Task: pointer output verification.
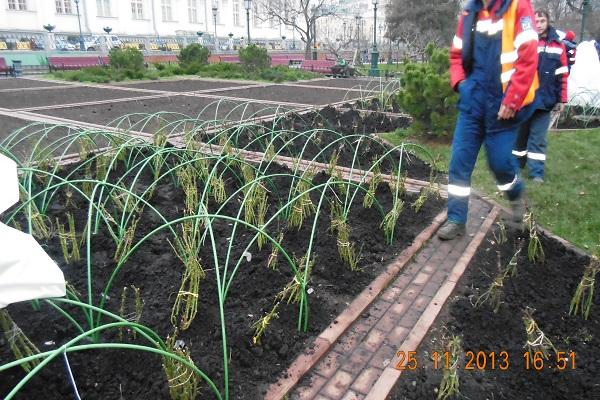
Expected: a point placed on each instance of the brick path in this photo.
(360, 363)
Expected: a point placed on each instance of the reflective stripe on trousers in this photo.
(469, 135)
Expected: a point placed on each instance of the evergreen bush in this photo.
(192, 57)
(427, 96)
(127, 59)
(254, 57)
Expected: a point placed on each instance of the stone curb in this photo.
(324, 342)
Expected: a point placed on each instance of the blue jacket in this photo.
(553, 71)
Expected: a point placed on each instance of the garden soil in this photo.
(156, 271)
(547, 288)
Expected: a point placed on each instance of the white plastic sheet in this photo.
(26, 271)
(584, 79)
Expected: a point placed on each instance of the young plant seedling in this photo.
(339, 224)
(449, 386)
(537, 341)
(69, 239)
(500, 234)
(18, 342)
(273, 257)
(138, 306)
(584, 294)
(292, 292)
(126, 240)
(375, 180)
(186, 303)
(535, 251)
(426, 192)
(260, 326)
(389, 221)
(183, 381)
(303, 206)
(494, 293)
(333, 162)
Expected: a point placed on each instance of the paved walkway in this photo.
(360, 364)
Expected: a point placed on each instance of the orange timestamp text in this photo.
(492, 360)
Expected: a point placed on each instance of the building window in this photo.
(103, 7)
(64, 7)
(20, 5)
(167, 10)
(137, 9)
(236, 12)
(193, 11)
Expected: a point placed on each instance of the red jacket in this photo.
(524, 56)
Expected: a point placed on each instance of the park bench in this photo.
(4, 67)
(70, 63)
(321, 66)
(23, 46)
(231, 59)
(286, 59)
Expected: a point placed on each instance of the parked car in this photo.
(101, 42)
(64, 45)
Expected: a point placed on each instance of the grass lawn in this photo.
(568, 202)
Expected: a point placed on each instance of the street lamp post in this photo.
(81, 43)
(294, 32)
(215, 10)
(248, 5)
(374, 53)
(358, 33)
(344, 35)
(314, 53)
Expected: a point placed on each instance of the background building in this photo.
(136, 17)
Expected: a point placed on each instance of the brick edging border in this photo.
(390, 375)
(322, 343)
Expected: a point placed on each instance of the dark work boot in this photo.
(517, 209)
(450, 230)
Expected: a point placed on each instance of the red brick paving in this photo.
(360, 363)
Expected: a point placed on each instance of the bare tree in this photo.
(567, 14)
(301, 15)
(414, 23)
(336, 46)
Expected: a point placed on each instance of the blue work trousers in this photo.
(470, 133)
(532, 142)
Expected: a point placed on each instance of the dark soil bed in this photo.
(347, 122)
(293, 94)
(357, 84)
(70, 95)
(109, 374)
(548, 288)
(17, 83)
(22, 146)
(183, 85)
(201, 108)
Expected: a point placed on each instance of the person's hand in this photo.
(560, 107)
(506, 112)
